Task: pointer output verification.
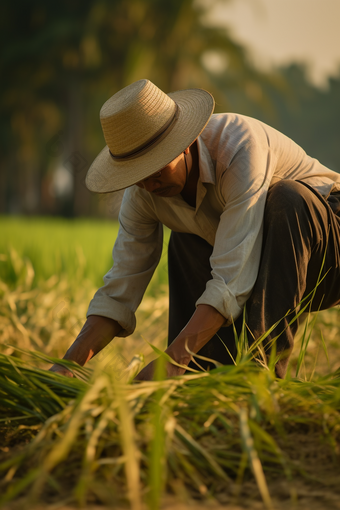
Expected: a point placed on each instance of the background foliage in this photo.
(60, 62)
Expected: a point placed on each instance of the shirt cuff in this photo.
(218, 295)
(105, 306)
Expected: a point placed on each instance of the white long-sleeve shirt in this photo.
(239, 159)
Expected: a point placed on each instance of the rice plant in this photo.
(206, 432)
(223, 435)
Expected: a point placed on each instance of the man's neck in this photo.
(189, 191)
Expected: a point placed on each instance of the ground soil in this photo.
(299, 495)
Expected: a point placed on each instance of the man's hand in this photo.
(148, 372)
(58, 369)
(96, 333)
(204, 323)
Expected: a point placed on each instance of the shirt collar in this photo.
(206, 166)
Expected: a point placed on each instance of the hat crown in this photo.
(134, 116)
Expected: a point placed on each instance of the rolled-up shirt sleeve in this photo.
(236, 255)
(135, 254)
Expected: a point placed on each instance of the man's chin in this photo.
(165, 192)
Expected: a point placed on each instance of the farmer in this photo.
(254, 225)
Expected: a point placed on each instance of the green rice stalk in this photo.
(325, 348)
(157, 465)
(254, 460)
(131, 452)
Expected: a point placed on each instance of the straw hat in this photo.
(145, 129)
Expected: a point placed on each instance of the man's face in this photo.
(169, 181)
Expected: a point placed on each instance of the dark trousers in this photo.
(301, 239)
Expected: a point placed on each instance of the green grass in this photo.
(76, 248)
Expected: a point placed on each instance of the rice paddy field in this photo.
(235, 437)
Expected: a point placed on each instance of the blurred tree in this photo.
(61, 60)
(308, 114)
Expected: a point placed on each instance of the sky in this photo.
(280, 31)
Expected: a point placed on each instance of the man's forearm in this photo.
(203, 325)
(96, 333)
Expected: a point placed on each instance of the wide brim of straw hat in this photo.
(106, 174)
